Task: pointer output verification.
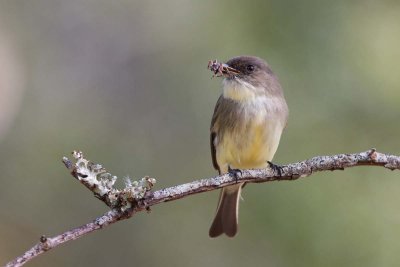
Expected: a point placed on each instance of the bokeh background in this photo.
(126, 82)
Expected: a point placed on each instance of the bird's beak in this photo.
(221, 69)
(229, 71)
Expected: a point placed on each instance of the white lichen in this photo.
(128, 181)
(93, 174)
(97, 179)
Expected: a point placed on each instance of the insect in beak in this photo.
(221, 69)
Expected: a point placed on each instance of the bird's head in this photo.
(246, 77)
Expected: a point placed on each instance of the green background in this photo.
(126, 82)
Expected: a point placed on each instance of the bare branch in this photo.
(47, 243)
(137, 197)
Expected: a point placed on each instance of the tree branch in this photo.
(136, 196)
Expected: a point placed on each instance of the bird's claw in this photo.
(235, 173)
(275, 168)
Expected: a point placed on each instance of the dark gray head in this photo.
(249, 65)
(251, 70)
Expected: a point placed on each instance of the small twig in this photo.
(123, 211)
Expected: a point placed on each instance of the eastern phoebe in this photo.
(248, 121)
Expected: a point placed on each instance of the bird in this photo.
(249, 118)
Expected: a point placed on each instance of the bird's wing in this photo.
(213, 136)
(214, 151)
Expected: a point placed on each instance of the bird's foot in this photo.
(275, 168)
(235, 173)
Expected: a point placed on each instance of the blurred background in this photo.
(126, 82)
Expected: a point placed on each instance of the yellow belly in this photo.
(249, 149)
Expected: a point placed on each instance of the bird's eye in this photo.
(250, 68)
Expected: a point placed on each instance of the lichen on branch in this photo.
(96, 178)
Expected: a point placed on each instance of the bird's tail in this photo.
(226, 219)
